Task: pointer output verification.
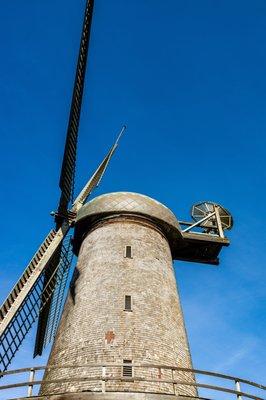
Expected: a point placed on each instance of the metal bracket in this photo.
(217, 227)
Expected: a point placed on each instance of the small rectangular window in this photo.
(128, 252)
(127, 369)
(128, 303)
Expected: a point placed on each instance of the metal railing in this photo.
(104, 377)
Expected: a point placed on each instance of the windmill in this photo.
(39, 292)
(104, 226)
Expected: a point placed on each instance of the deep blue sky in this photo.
(188, 78)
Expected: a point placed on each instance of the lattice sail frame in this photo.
(27, 313)
(59, 291)
(67, 175)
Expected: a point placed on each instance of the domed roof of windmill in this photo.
(130, 203)
(126, 203)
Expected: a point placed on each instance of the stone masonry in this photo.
(123, 252)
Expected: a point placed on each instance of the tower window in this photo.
(127, 369)
(128, 303)
(128, 252)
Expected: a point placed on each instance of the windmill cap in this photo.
(122, 204)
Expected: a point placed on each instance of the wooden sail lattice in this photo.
(67, 176)
(31, 297)
(59, 292)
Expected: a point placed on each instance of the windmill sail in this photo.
(96, 178)
(51, 309)
(58, 296)
(67, 176)
(23, 304)
(69, 159)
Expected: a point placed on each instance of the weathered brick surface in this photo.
(112, 396)
(96, 329)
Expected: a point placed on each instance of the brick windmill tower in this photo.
(123, 314)
(121, 334)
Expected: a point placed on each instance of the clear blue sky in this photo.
(188, 78)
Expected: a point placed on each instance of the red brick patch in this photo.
(109, 337)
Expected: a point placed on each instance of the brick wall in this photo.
(95, 328)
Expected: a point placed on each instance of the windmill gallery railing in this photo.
(252, 390)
